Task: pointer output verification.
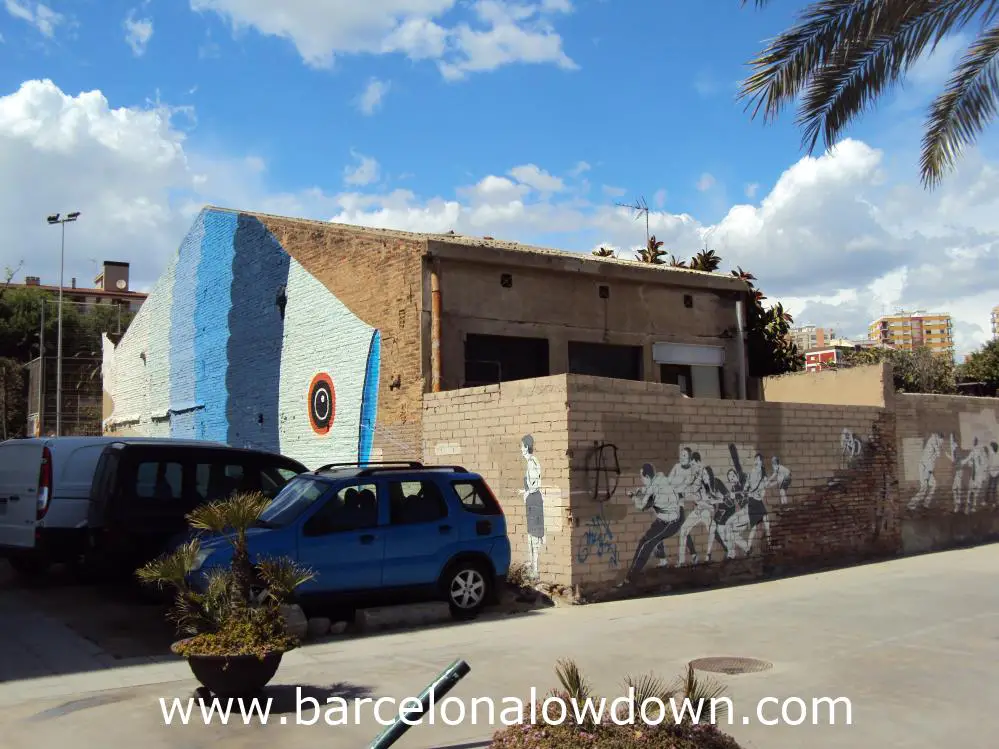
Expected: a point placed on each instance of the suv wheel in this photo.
(467, 589)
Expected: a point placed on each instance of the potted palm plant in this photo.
(232, 615)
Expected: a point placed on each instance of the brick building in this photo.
(320, 340)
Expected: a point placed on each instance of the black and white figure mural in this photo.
(932, 449)
(535, 504)
(691, 500)
(971, 454)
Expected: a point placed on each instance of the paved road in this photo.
(912, 643)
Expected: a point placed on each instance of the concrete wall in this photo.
(288, 336)
(483, 429)
(563, 304)
(948, 468)
(855, 386)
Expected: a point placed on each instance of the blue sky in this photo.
(526, 120)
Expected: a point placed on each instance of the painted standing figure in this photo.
(979, 459)
(756, 490)
(927, 465)
(733, 516)
(703, 513)
(781, 478)
(657, 494)
(535, 503)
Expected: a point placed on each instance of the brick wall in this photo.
(482, 428)
(378, 276)
(840, 503)
(948, 464)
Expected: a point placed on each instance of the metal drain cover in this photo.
(730, 665)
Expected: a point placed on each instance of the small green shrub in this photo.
(605, 734)
(229, 617)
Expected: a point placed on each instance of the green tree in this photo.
(982, 365)
(842, 55)
(705, 260)
(769, 347)
(916, 371)
(603, 252)
(653, 252)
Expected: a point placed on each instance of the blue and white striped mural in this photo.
(239, 343)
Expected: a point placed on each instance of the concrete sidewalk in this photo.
(912, 643)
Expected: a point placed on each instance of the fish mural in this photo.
(239, 343)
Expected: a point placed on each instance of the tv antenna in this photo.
(641, 208)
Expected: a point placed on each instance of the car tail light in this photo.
(44, 483)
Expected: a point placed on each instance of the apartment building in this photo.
(912, 330)
(809, 337)
(111, 286)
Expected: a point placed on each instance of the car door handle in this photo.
(445, 529)
(14, 498)
(367, 538)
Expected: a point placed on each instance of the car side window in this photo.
(159, 481)
(415, 502)
(475, 497)
(351, 508)
(216, 480)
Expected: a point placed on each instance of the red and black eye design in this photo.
(322, 403)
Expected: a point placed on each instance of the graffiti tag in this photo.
(598, 540)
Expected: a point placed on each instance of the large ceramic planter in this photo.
(232, 676)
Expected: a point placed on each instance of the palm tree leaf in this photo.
(834, 38)
(574, 684)
(862, 70)
(962, 111)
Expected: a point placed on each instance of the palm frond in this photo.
(962, 111)
(236, 514)
(171, 569)
(649, 686)
(574, 684)
(847, 52)
(282, 576)
(702, 692)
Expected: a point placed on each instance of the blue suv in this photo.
(383, 533)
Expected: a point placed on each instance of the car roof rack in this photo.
(376, 464)
(367, 469)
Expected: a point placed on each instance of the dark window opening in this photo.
(677, 374)
(495, 358)
(414, 502)
(506, 280)
(604, 292)
(688, 301)
(605, 360)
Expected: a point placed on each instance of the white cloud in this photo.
(580, 168)
(836, 238)
(138, 32)
(533, 176)
(42, 17)
(706, 182)
(503, 33)
(659, 199)
(751, 189)
(373, 95)
(613, 192)
(364, 172)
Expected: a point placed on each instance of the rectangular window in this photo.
(352, 508)
(215, 481)
(412, 502)
(605, 360)
(160, 481)
(677, 374)
(490, 359)
(476, 497)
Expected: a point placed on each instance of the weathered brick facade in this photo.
(837, 493)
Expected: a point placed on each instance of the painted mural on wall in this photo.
(239, 343)
(971, 457)
(534, 502)
(694, 500)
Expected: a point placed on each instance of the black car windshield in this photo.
(294, 499)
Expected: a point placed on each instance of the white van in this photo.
(45, 485)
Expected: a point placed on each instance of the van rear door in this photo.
(20, 469)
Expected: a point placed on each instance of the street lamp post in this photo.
(62, 221)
